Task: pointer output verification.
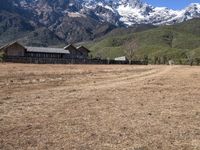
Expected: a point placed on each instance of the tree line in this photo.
(131, 47)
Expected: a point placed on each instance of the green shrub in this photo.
(2, 56)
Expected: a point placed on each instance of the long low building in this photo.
(16, 49)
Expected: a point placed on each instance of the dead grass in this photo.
(99, 107)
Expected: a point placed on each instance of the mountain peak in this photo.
(133, 3)
(128, 12)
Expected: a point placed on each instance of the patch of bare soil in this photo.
(99, 107)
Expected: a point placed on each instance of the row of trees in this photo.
(130, 48)
(181, 61)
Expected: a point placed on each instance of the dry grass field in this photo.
(88, 107)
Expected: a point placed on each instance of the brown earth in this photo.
(87, 107)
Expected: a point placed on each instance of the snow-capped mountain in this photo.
(147, 14)
(132, 12)
(78, 20)
(117, 12)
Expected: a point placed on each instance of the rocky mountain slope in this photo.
(116, 12)
(81, 20)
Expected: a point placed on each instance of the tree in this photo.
(190, 57)
(156, 59)
(164, 59)
(146, 59)
(99, 55)
(2, 56)
(130, 47)
(197, 61)
(90, 56)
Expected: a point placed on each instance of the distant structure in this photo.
(84, 51)
(122, 58)
(13, 49)
(17, 53)
(16, 49)
(73, 51)
(43, 52)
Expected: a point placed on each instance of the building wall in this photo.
(42, 55)
(84, 53)
(46, 55)
(74, 53)
(18, 50)
(15, 50)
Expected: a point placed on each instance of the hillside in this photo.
(13, 26)
(41, 37)
(175, 42)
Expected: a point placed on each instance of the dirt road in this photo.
(87, 107)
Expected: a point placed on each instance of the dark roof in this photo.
(42, 49)
(10, 44)
(82, 47)
(70, 46)
(47, 50)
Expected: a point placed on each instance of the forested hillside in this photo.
(176, 42)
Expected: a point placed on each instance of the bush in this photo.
(2, 56)
(197, 61)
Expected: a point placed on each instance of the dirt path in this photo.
(128, 79)
(99, 107)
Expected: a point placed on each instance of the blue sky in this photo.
(174, 4)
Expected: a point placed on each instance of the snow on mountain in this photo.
(132, 12)
(117, 12)
(135, 12)
(79, 20)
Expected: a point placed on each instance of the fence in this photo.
(34, 60)
(180, 61)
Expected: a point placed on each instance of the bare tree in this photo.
(130, 47)
(99, 55)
